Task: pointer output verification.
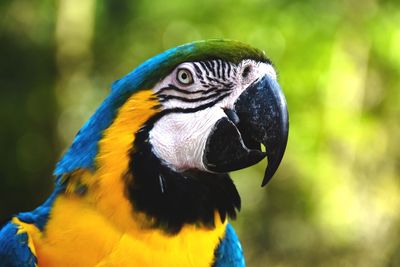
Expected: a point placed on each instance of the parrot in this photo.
(146, 180)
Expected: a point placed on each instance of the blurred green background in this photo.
(335, 200)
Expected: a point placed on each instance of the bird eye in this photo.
(184, 76)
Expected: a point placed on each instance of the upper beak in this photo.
(264, 118)
(260, 116)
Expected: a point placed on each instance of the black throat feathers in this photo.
(172, 199)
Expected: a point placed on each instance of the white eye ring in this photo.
(184, 76)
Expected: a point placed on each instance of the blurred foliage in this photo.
(335, 200)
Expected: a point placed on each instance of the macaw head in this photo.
(172, 129)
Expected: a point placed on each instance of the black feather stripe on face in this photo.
(211, 84)
(172, 199)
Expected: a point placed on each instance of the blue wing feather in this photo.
(229, 252)
(14, 248)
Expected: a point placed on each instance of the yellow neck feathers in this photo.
(98, 227)
(106, 186)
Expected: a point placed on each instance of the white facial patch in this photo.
(180, 138)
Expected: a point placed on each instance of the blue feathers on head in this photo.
(82, 153)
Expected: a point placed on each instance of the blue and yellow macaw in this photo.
(145, 181)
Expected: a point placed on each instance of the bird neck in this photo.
(135, 189)
(105, 187)
(171, 198)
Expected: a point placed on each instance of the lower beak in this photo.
(260, 116)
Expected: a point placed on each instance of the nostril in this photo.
(246, 71)
(231, 114)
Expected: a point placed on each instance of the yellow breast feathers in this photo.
(100, 228)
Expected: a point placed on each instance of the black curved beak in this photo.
(260, 116)
(264, 118)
